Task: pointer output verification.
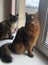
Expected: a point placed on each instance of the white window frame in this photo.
(42, 17)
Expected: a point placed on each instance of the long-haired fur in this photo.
(27, 36)
(6, 29)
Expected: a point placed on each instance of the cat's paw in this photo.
(31, 55)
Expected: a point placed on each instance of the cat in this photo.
(6, 29)
(27, 36)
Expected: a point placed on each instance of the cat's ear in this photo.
(26, 14)
(35, 15)
(17, 14)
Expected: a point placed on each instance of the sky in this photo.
(34, 3)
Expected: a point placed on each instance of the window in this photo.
(33, 3)
(32, 6)
(46, 30)
(43, 17)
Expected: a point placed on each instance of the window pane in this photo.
(46, 32)
(32, 6)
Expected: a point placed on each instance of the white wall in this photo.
(21, 19)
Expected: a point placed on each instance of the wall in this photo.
(5, 6)
(21, 19)
(4, 9)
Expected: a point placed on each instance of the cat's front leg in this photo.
(30, 52)
(30, 49)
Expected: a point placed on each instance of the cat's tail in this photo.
(5, 54)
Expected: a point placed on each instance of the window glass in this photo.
(32, 6)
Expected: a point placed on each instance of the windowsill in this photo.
(43, 48)
(23, 59)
